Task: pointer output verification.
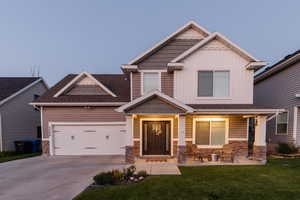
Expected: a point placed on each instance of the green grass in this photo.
(279, 179)
(10, 155)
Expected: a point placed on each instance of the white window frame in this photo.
(287, 125)
(213, 97)
(150, 71)
(211, 119)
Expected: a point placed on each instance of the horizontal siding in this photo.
(279, 91)
(167, 83)
(79, 114)
(136, 85)
(160, 58)
(19, 119)
(298, 127)
(237, 125)
(136, 128)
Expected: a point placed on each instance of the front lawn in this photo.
(278, 180)
(8, 156)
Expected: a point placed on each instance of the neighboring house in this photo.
(279, 85)
(193, 87)
(18, 119)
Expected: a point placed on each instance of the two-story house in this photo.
(193, 89)
(279, 85)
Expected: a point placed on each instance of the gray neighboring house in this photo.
(18, 119)
(279, 85)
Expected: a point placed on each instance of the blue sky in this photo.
(70, 36)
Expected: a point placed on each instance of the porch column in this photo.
(129, 155)
(259, 148)
(181, 153)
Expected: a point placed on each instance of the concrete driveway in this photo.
(52, 178)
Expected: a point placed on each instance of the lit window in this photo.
(210, 132)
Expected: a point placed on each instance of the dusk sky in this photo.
(71, 36)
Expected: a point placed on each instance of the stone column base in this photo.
(129, 154)
(181, 154)
(45, 148)
(260, 153)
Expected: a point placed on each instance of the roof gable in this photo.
(12, 86)
(158, 96)
(84, 79)
(216, 36)
(196, 27)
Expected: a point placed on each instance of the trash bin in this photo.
(214, 157)
(23, 146)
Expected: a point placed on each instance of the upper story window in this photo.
(282, 123)
(151, 81)
(213, 83)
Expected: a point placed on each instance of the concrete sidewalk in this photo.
(158, 168)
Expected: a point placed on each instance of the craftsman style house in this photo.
(192, 91)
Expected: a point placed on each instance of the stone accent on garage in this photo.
(129, 154)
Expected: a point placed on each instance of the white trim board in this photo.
(223, 39)
(155, 119)
(89, 76)
(150, 94)
(295, 124)
(80, 104)
(20, 91)
(211, 119)
(52, 124)
(177, 32)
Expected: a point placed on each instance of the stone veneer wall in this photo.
(129, 154)
(46, 147)
(260, 153)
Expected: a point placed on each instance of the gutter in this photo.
(78, 104)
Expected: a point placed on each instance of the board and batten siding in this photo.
(79, 114)
(279, 90)
(214, 56)
(237, 125)
(19, 119)
(136, 85)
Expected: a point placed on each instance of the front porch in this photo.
(161, 128)
(181, 139)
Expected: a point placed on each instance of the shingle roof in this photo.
(228, 106)
(119, 84)
(275, 68)
(11, 85)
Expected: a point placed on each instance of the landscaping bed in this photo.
(117, 177)
(12, 155)
(279, 179)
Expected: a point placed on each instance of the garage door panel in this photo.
(89, 140)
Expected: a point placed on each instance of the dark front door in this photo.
(156, 138)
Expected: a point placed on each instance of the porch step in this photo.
(155, 159)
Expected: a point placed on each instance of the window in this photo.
(211, 132)
(150, 81)
(282, 123)
(35, 96)
(213, 83)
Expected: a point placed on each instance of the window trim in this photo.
(150, 71)
(287, 124)
(211, 119)
(214, 97)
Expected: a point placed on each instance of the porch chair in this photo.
(195, 153)
(227, 155)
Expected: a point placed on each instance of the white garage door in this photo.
(104, 139)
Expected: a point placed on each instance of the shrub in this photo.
(104, 178)
(142, 173)
(286, 148)
(7, 153)
(129, 172)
